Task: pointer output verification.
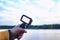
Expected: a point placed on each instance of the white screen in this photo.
(25, 19)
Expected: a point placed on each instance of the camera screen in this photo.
(26, 20)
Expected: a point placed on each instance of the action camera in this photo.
(26, 21)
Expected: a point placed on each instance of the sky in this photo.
(41, 11)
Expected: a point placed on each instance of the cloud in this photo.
(41, 11)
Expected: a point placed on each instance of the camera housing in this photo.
(25, 19)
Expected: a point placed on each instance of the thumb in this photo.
(18, 39)
(23, 31)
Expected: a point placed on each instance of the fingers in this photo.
(20, 36)
(21, 33)
(25, 31)
(22, 30)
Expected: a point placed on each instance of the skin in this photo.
(17, 30)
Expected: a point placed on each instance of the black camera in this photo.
(26, 21)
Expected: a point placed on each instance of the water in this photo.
(41, 34)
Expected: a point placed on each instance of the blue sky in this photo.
(41, 11)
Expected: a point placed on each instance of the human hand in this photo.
(17, 32)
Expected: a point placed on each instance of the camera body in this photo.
(26, 21)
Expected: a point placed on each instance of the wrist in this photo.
(10, 34)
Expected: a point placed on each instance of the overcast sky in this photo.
(41, 11)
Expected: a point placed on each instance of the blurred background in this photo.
(45, 15)
(41, 11)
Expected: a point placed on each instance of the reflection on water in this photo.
(41, 34)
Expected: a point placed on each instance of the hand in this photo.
(17, 31)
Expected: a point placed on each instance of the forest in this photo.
(51, 26)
